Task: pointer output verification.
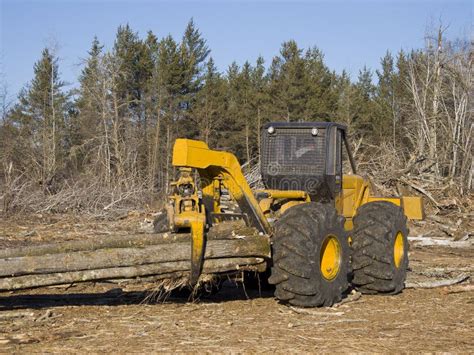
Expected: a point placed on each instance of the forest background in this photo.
(106, 145)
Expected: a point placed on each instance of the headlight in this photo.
(271, 130)
(314, 131)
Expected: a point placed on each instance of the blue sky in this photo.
(351, 33)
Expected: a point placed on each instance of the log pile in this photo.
(118, 257)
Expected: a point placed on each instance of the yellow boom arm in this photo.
(216, 167)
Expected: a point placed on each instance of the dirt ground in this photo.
(122, 317)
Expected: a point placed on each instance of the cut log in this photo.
(224, 231)
(253, 246)
(166, 270)
(115, 241)
(229, 247)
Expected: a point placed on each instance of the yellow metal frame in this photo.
(356, 192)
(221, 169)
(219, 166)
(188, 212)
(289, 198)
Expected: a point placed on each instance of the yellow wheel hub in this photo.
(398, 249)
(330, 258)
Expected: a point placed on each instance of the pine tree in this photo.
(193, 54)
(232, 134)
(288, 88)
(86, 124)
(345, 107)
(41, 115)
(210, 107)
(152, 114)
(401, 91)
(126, 50)
(135, 67)
(144, 72)
(385, 100)
(167, 82)
(364, 93)
(194, 51)
(245, 97)
(260, 100)
(322, 97)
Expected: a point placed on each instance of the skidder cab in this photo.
(303, 156)
(324, 227)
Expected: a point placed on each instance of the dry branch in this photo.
(437, 283)
(419, 189)
(458, 289)
(312, 312)
(427, 241)
(352, 297)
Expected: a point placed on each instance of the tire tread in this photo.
(375, 227)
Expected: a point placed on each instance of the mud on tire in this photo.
(299, 236)
(375, 269)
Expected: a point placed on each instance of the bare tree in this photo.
(440, 81)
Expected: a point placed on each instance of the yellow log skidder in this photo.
(326, 229)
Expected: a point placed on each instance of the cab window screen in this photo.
(294, 152)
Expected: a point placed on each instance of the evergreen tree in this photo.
(245, 99)
(288, 89)
(322, 97)
(194, 51)
(260, 100)
(401, 91)
(210, 107)
(167, 82)
(193, 54)
(86, 124)
(40, 116)
(135, 67)
(127, 52)
(136, 99)
(363, 100)
(233, 135)
(345, 106)
(385, 100)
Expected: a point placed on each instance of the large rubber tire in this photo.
(376, 226)
(296, 250)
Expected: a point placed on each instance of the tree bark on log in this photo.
(115, 241)
(223, 231)
(166, 270)
(256, 246)
(229, 247)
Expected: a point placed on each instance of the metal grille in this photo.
(294, 151)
